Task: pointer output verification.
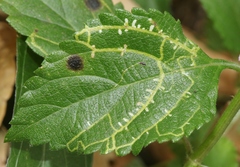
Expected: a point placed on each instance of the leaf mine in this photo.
(143, 81)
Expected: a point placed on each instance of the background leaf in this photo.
(225, 17)
(24, 155)
(226, 153)
(163, 5)
(51, 21)
(141, 81)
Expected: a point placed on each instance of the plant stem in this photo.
(196, 158)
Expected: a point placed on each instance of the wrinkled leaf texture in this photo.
(142, 81)
(39, 19)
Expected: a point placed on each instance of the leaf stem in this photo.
(187, 145)
(230, 65)
(195, 159)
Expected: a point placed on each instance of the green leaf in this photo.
(51, 21)
(119, 6)
(225, 16)
(163, 5)
(141, 80)
(27, 62)
(213, 39)
(225, 152)
(23, 154)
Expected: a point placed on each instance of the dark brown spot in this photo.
(142, 63)
(75, 63)
(111, 162)
(93, 4)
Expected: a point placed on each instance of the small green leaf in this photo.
(51, 21)
(225, 16)
(141, 81)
